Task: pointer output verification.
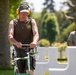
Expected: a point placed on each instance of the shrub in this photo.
(44, 42)
(62, 46)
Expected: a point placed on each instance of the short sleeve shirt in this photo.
(72, 37)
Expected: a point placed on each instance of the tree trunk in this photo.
(4, 44)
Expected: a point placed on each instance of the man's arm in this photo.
(11, 33)
(35, 34)
(35, 31)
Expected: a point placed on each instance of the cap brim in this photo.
(24, 11)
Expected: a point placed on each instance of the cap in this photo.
(24, 8)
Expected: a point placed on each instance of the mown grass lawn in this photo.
(6, 72)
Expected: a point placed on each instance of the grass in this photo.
(6, 72)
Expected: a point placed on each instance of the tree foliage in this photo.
(50, 28)
(66, 32)
(13, 5)
(63, 22)
(49, 5)
(68, 19)
(71, 14)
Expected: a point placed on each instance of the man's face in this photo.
(23, 15)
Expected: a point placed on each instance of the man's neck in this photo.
(23, 19)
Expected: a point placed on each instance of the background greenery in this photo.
(54, 26)
(6, 72)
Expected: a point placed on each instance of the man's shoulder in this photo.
(15, 20)
(32, 20)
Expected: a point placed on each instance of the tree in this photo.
(72, 9)
(50, 28)
(69, 17)
(49, 5)
(5, 6)
(63, 23)
(13, 5)
(66, 32)
(4, 44)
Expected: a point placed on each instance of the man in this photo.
(23, 30)
(72, 38)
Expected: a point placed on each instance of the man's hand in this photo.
(18, 44)
(32, 45)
